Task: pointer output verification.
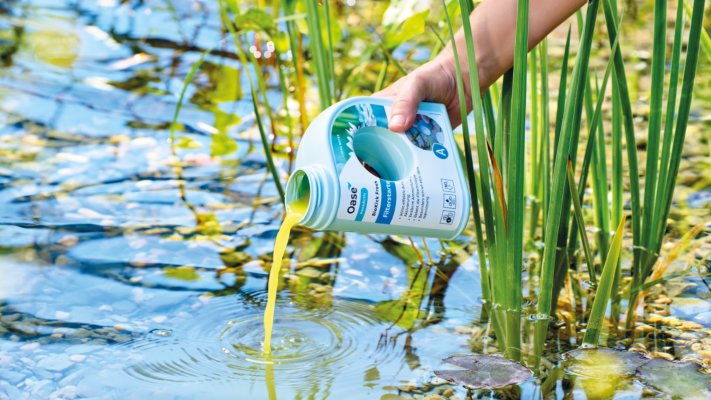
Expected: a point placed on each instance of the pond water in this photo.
(108, 286)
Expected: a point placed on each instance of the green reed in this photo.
(255, 89)
(557, 213)
(662, 170)
(499, 185)
(604, 289)
(501, 181)
(321, 50)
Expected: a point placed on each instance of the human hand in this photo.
(434, 81)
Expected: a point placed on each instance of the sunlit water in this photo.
(108, 289)
(96, 300)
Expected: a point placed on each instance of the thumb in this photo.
(407, 100)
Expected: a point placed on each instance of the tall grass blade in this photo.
(545, 128)
(562, 87)
(705, 39)
(589, 259)
(666, 191)
(515, 181)
(604, 288)
(655, 118)
(320, 54)
(682, 119)
(594, 133)
(671, 102)
(620, 81)
(568, 135)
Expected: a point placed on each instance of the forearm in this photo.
(494, 32)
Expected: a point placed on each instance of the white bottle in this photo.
(353, 174)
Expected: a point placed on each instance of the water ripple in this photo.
(223, 342)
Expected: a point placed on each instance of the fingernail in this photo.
(397, 120)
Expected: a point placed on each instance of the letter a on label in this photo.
(440, 151)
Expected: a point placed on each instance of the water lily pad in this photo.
(602, 372)
(676, 379)
(485, 371)
(583, 361)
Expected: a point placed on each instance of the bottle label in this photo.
(409, 179)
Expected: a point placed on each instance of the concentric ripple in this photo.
(223, 340)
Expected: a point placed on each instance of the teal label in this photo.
(387, 209)
(363, 204)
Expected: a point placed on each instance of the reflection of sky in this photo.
(90, 207)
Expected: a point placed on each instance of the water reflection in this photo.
(129, 273)
(55, 47)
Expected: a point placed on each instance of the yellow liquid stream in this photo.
(294, 213)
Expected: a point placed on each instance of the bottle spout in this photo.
(298, 193)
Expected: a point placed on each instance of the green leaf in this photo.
(281, 41)
(181, 273)
(222, 145)
(208, 224)
(411, 27)
(225, 81)
(224, 121)
(255, 19)
(604, 289)
(581, 224)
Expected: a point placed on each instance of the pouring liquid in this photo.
(294, 213)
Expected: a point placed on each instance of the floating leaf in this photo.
(181, 273)
(485, 371)
(400, 249)
(222, 145)
(208, 224)
(580, 361)
(602, 372)
(58, 48)
(676, 379)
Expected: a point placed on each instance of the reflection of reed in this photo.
(407, 312)
(316, 269)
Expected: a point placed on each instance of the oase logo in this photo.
(353, 200)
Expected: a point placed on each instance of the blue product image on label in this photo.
(440, 151)
(363, 204)
(387, 210)
(425, 132)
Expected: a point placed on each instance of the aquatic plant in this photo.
(552, 181)
(527, 185)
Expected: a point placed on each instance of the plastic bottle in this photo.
(355, 175)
